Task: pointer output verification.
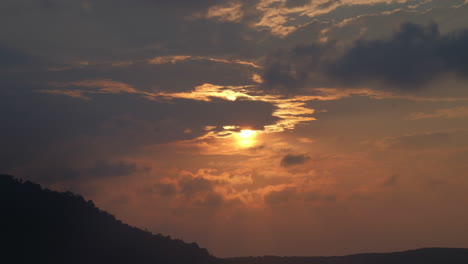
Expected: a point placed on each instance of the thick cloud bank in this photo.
(412, 57)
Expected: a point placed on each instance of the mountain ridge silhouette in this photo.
(44, 226)
(415, 256)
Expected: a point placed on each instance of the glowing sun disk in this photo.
(246, 138)
(247, 133)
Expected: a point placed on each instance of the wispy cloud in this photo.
(226, 13)
(71, 93)
(183, 58)
(283, 17)
(450, 113)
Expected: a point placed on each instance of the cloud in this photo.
(290, 194)
(195, 190)
(426, 141)
(229, 13)
(11, 58)
(107, 169)
(412, 57)
(184, 58)
(165, 189)
(213, 200)
(152, 74)
(164, 27)
(70, 93)
(291, 160)
(282, 196)
(296, 3)
(283, 18)
(190, 186)
(450, 113)
(115, 119)
(391, 181)
(319, 197)
(98, 170)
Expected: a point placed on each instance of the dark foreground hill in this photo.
(419, 256)
(43, 226)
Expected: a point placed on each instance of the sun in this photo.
(246, 138)
(247, 133)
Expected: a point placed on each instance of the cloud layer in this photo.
(411, 58)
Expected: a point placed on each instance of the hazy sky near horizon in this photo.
(260, 127)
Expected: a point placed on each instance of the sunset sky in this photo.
(252, 127)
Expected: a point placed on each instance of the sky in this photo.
(259, 127)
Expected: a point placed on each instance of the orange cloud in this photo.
(227, 13)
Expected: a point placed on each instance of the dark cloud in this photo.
(157, 77)
(190, 186)
(295, 3)
(198, 191)
(123, 29)
(98, 170)
(108, 169)
(11, 58)
(291, 70)
(291, 160)
(213, 200)
(412, 57)
(391, 181)
(165, 189)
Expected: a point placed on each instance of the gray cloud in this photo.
(99, 169)
(190, 186)
(412, 57)
(123, 29)
(108, 169)
(295, 3)
(212, 200)
(158, 77)
(11, 58)
(165, 189)
(291, 160)
(391, 181)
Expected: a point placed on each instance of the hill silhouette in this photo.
(419, 256)
(43, 226)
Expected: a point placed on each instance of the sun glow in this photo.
(247, 133)
(246, 138)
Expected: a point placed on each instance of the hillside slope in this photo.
(43, 226)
